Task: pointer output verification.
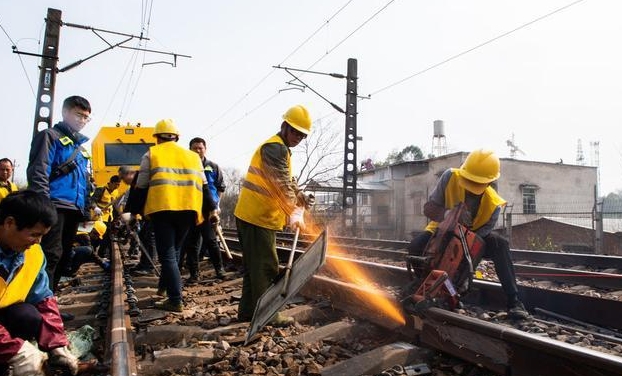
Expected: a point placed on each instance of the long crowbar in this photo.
(144, 250)
(221, 237)
(288, 268)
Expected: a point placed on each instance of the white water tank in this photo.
(439, 128)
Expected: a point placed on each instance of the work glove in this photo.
(213, 217)
(62, 358)
(129, 219)
(297, 218)
(28, 361)
(305, 200)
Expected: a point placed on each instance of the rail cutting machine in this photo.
(445, 269)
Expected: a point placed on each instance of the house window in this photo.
(364, 199)
(529, 199)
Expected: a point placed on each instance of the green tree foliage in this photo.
(409, 153)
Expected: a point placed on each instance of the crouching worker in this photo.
(88, 239)
(471, 184)
(28, 309)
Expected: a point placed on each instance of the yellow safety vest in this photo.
(105, 204)
(17, 290)
(176, 180)
(454, 194)
(4, 191)
(261, 200)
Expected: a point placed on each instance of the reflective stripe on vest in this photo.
(454, 194)
(261, 200)
(176, 180)
(17, 290)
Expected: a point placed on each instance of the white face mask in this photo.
(76, 126)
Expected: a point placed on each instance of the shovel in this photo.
(288, 268)
(221, 237)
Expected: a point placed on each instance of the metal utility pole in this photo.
(47, 72)
(598, 223)
(349, 151)
(49, 61)
(349, 203)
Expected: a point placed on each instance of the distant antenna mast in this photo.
(595, 148)
(580, 156)
(439, 142)
(513, 148)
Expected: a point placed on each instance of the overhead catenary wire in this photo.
(480, 45)
(14, 46)
(317, 61)
(265, 77)
(351, 33)
(144, 31)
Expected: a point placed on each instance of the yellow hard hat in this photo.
(166, 126)
(298, 117)
(100, 228)
(480, 168)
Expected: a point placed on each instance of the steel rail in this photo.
(397, 248)
(120, 348)
(600, 312)
(502, 349)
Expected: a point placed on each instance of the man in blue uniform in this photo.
(58, 168)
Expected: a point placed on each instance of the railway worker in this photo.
(103, 199)
(58, 168)
(204, 233)
(6, 172)
(87, 240)
(170, 188)
(126, 176)
(268, 196)
(28, 309)
(472, 184)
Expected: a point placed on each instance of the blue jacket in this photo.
(215, 181)
(51, 148)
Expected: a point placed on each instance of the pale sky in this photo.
(550, 83)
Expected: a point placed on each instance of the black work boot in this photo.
(516, 310)
(192, 280)
(220, 273)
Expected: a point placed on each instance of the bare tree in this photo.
(233, 180)
(320, 155)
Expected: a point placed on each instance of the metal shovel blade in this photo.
(302, 270)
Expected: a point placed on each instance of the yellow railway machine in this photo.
(119, 146)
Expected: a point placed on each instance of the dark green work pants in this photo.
(261, 265)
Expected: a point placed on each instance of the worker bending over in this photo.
(28, 309)
(471, 184)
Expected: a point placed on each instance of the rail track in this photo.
(598, 271)
(347, 324)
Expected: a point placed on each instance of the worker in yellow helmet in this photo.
(6, 171)
(172, 191)
(472, 185)
(268, 197)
